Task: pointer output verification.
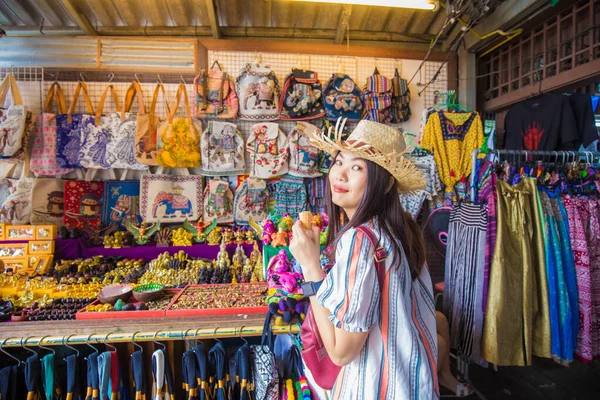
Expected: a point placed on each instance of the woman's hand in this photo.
(305, 247)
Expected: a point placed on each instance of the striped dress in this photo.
(398, 360)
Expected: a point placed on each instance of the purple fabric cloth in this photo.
(487, 194)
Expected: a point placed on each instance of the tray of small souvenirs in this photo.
(218, 299)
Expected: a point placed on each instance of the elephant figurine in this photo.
(174, 203)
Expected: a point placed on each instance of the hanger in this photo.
(81, 77)
(158, 343)
(111, 76)
(27, 348)
(159, 80)
(241, 337)
(185, 338)
(183, 79)
(113, 348)
(44, 347)
(215, 335)
(196, 337)
(137, 78)
(65, 342)
(134, 342)
(19, 362)
(87, 341)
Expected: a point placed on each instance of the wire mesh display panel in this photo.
(30, 81)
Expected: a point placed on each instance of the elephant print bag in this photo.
(222, 147)
(43, 153)
(121, 202)
(48, 201)
(70, 129)
(12, 119)
(304, 157)
(215, 94)
(83, 204)
(146, 136)
(218, 201)
(251, 201)
(267, 148)
(122, 129)
(258, 92)
(96, 135)
(170, 198)
(178, 138)
(301, 97)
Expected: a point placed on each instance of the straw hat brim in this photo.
(409, 178)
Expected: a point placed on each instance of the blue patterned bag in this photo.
(121, 201)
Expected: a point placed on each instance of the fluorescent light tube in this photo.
(417, 4)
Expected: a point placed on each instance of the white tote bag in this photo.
(16, 209)
(222, 146)
(12, 119)
(171, 198)
(48, 201)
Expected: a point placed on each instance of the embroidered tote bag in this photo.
(146, 138)
(16, 208)
(170, 198)
(70, 129)
(83, 204)
(122, 129)
(223, 151)
(258, 91)
(342, 98)
(121, 202)
(301, 97)
(267, 148)
(290, 196)
(28, 133)
(178, 137)
(215, 94)
(43, 153)
(304, 158)
(218, 201)
(251, 201)
(96, 135)
(48, 201)
(12, 119)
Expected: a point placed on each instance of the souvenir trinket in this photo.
(227, 235)
(163, 237)
(200, 230)
(221, 296)
(223, 256)
(181, 237)
(214, 237)
(249, 236)
(142, 232)
(268, 231)
(114, 241)
(279, 238)
(239, 236)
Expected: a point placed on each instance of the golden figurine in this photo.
(227, 235)
(249, 236)
(181, 237)
(223, 256)
(239, 236)
(119, 238)
(142, 232)
(238, 257)
(214, 237)
(163, 237)
(247, 272)
(200, 230)
(108, 242)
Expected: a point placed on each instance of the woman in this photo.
(385, 338)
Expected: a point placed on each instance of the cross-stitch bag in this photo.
(121, 202)
(48, 201)
(401, 99)
(122, 131)
(218, 201)
(146, 136)
(223, 150)
(290, 196)
(72, 129)
(258, 92)
(251, 201)
(301, 97)
(342, 98)
(215, 94)
(267, 149)
(96, 135)
(304, 157)
(83, 204)
(43, 153)
(170, 198)
(12, 119)
(377, 98)
(179, 138)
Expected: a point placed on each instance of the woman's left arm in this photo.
(342, 346)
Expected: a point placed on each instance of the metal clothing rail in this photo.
(146, 336)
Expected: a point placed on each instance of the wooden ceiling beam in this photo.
(213, 17)
(343, 24)
(78, 17)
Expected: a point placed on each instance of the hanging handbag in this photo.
(304, 157)
(122, 130)
(121, 202)
(258, 90)
(264, 367)
(377, 98)
(171, 198)
(290, 196)
(215, 94)
(96, 134)
(12, 119)
(342, 98)
(315, 356)
(401, 99)
(48, 201)
(178, 138)
(83, 204)
(268, 151)
(223, 149)
(146, 136)
(251, 201)
(70, 130)
(43, 153)
(16, 209)
(301, 97)
(218, 201)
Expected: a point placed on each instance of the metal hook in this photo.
(185, 334)
(7, 353)
(44, 347)
(88, 343)
(215, 335)
(113, 348)
(42, 26)
(196, 337)
(26, 348)
(242, 337)
(111, 76)
(65, 343)
(182, 79)
(563, 157)
(137, 78)
(159, 79)
(158, 343)
(81, 75)
(136, 344)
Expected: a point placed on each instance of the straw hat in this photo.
(375, 142)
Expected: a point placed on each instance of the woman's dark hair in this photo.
(384, 206)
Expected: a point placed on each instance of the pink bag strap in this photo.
(380, 254)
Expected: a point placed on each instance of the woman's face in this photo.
(348, 180)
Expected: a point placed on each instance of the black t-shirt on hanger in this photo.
(584, 117)
(545, 123)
